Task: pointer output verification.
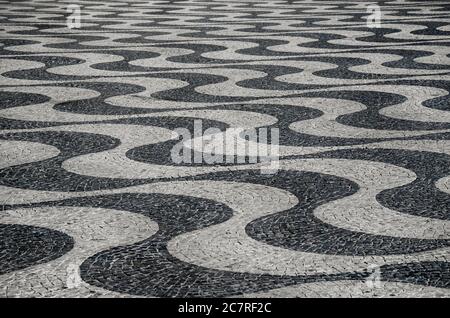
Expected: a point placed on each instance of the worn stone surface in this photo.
(93, 204)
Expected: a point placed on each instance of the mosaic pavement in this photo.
(93, 205)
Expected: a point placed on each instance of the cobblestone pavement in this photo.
(93, 203)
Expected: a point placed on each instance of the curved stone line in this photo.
(201, 281)
(106, 159)
(421, 197)
(42, 72)
(353, 289)
(95, 108)
(127, 57)
(82, 128)
(144, 69)
(92, 230)
(14, 42)
(298, 228)
(172, 291)
(23, 246)
(160, 153)
(361, 212)
(74, 142)
(100, 106)
(17, 99)
(373, 66)
(439, 102)
(308, 222)
(48, 174)
(91, 108)
(226, 246)
(345, 94)
(370, 117)
(14, 153)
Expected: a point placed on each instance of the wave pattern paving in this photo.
(92, 204)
